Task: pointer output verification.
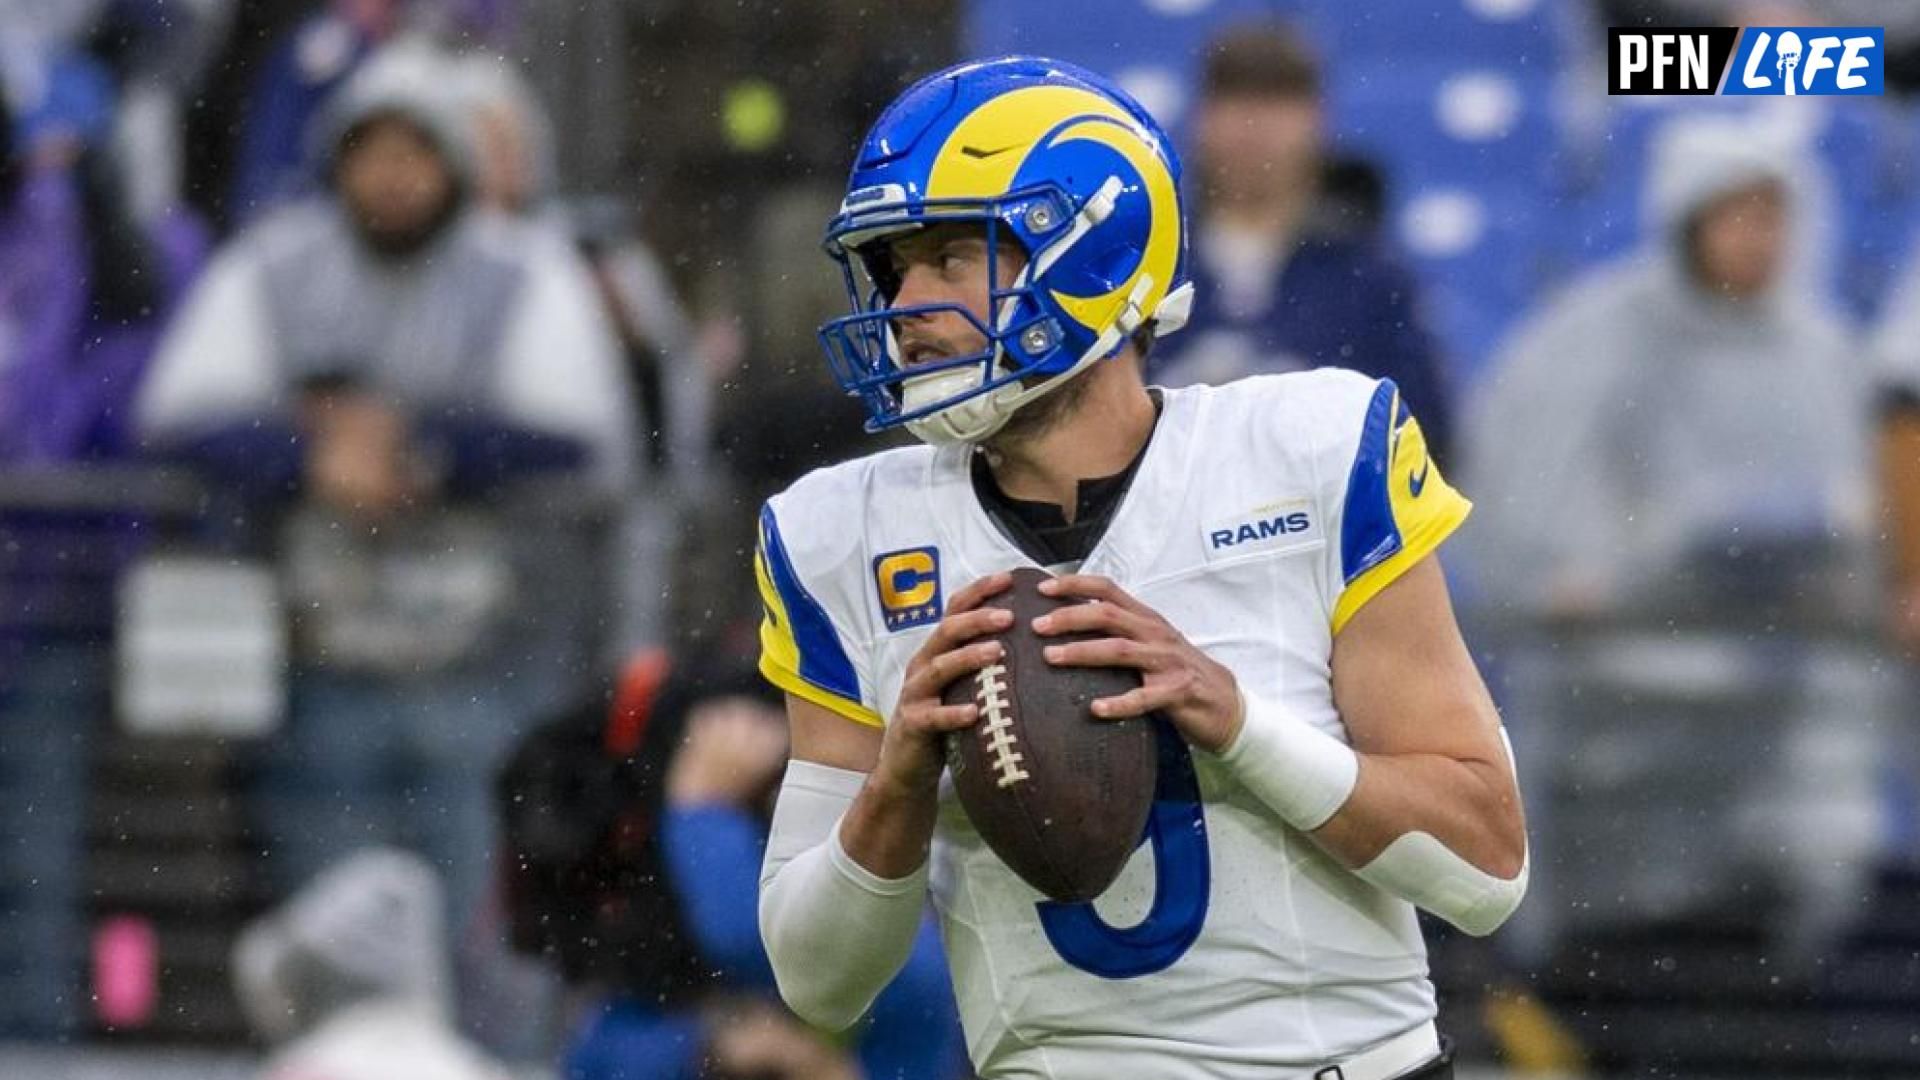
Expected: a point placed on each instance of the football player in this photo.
(1262, 552)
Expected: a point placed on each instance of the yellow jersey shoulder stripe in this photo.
(1398, 506)
(800, 651)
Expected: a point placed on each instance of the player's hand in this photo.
(911, 751)
(734, 748)
(1194, 691)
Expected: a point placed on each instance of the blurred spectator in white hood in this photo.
(1690, 405)
(474, 351)
(1675, 453)
(420, 409)
(349, 979)
(308, 66)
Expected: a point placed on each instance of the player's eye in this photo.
(956, 258)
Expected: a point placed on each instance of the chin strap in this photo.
(1174, 309)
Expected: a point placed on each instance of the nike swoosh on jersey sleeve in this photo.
(1398, 506)
(800, 651)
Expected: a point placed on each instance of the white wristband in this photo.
(1303, 773)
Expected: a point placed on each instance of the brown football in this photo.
(1060, 795)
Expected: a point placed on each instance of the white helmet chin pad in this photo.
(967, 421)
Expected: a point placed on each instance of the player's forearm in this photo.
(1465, 805)
(836, 933)
(1437, 831)
(889, 829)
(1462, 855)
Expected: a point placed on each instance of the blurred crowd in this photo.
(480, 328)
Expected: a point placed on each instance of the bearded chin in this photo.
(396, 243)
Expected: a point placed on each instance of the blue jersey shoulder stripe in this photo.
(1368, 533)
(823, 662)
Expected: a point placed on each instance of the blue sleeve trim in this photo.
(822, 661)
(713, 858)
(1369, 535)
(914, 1029)
(260, 460)
(485, 453)
(626, 1040)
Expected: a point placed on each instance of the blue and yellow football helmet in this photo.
(1057, 158)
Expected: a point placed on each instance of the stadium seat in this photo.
(1455, 125)
(1515, 31)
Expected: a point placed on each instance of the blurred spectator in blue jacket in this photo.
(384, 362)
(43, 735)
(63, 99)
(43, 293)
(86, 279)
(88, 289)
(1286, 274)
(635, 834)
(84, 291)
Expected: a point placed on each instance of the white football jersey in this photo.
(1262, 516)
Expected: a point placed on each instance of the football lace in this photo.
(990, 690)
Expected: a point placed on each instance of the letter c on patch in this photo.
(907, 579)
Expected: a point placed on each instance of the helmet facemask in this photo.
(965, 398)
